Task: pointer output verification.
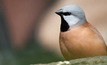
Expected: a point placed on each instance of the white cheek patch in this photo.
(71, 20)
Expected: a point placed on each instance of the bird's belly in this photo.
(79, 44)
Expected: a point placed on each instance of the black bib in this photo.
(64, 25)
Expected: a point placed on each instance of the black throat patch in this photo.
(64, 25)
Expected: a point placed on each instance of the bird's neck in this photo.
(66, 23)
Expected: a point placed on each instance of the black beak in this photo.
(59, 12)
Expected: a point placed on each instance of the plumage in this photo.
(80, 39)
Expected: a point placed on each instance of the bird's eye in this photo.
(66, 13)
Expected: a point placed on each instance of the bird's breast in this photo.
(82, 41)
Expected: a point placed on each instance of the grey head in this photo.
(72, 15)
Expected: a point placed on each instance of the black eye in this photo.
(66, 13)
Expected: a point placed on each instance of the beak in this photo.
(59, 12)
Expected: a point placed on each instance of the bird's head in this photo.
(72, 15)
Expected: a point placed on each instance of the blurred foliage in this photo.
(34, 54)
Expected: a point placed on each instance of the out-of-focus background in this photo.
(29, 29)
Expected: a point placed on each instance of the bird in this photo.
(77, 37)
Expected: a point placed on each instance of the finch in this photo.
(78, 38)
